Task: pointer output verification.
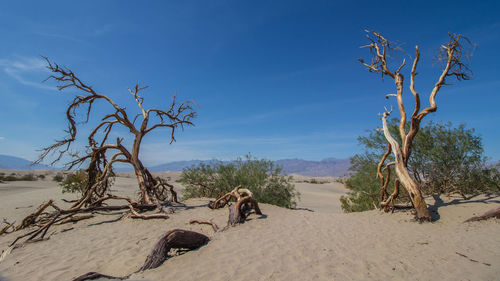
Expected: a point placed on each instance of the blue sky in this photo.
(278, 79)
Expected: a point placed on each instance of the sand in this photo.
(282, 244)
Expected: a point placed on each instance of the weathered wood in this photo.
(237, 193)
(135, 215)
(422, 213)
(75, 219)
(493, 213)
(177, 238)
(29, 220)
(95, 275)
(239, 211)
(214, 225)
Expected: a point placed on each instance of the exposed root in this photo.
(493, 213)
(214, 226)
(29, 220)
(6, 228)
(74, 219)
(135, 215)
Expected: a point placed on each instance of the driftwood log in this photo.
(173, 239)
(493, 213)
(95, 275)
(177, 238)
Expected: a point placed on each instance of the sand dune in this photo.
(280, 245)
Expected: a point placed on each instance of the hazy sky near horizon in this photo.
(278, 79)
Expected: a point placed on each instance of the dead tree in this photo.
(454, 56)
(100, 145)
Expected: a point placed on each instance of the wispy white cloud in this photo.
(60, 36)
(22, 69)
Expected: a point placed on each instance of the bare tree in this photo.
(100, 146)
(454, 56)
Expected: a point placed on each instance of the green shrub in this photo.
(262, 177)
(444, 159)
(13, 177)
(10, 178)
(58, 178)
(75, 182)
(28, 177)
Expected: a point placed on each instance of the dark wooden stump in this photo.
(177, 238)
(239, 211)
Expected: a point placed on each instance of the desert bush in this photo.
(28, 177)
(262, 177)
(444, 159)
(14, 177)
(74, 182)
(77, 182)
(58, 178)
(41, 177)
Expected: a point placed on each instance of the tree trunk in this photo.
(404, 176)
(414, 191)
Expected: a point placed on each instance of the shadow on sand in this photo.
(438, 202)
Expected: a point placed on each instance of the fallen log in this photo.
(489, 214)
(177, 238)
(95, 275)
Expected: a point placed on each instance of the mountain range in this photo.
(17, 163)
(327, 167)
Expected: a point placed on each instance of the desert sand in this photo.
(282, 244)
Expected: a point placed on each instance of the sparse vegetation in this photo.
(58, 178)
(445, 159)
(262, 177)
(14, 177)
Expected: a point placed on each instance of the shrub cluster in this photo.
(262, 177)
(14, 177)
(74, 182)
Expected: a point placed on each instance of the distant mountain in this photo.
(332, 167)
(17, 163)
(327, 167)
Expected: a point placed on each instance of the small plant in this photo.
(28, 177)
(315, 181)
(13, 177)
(41, 177)
(77, 182)
(58, 178)
(74, 182)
